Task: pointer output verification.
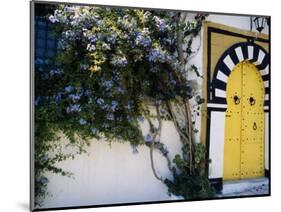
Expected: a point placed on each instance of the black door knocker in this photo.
(252, 101)
(254, 126)
(236, 100)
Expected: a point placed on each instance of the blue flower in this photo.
(112, 39)
(155, 55)
(114, 105)
(63, 44)
(130, 105)
(45, 158)
(141, 119)
(59, 17)
(119, 61)
(93, 38)
(69, 9)
(100, 101)
(91, 47)
(143, 40)
(57, 97)
(74, 97)
(108, 84)
(82, 121)
(168, 41)
(116, 76)
(94, 130)
(44, 180)
(175, 65)
(53, 19)
(169, 58)
(173, 82)
(55, 72)
(110, 116)
(162, 111)
(73, 108)
(160, 23)
(148, 138)
(120, 90)
(87, 93)
(69, 88)
(69, 34)
(76, 20)
(106, 107)
(122, 61)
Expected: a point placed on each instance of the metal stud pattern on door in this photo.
(244, 123)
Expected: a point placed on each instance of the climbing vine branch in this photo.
(157, 133)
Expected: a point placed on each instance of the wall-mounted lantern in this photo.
(260, 23)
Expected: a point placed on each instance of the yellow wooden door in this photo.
(244, 123)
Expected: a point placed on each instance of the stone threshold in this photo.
(245, 187)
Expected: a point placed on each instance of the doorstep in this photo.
(245, 187)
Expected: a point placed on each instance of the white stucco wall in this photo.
(113, 174)
(216, 152)
(110, 174)
(240, 22)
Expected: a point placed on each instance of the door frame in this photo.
(214, 106)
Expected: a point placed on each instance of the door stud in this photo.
(255, 126)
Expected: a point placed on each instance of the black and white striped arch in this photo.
(231, 57)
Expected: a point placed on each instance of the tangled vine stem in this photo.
(158, 132)
(182, 18)
(163, 150)
(189, 132)
(184, 137)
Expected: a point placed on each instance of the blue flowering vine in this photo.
(110, 62)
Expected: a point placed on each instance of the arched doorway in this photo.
(244, 123)
(219, 60)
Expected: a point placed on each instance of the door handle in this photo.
(252, 101)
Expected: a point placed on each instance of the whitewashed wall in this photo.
(113, 174)
(216, 144)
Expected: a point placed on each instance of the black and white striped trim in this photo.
(230, 58)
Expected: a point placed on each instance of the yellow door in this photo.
(244, 123)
